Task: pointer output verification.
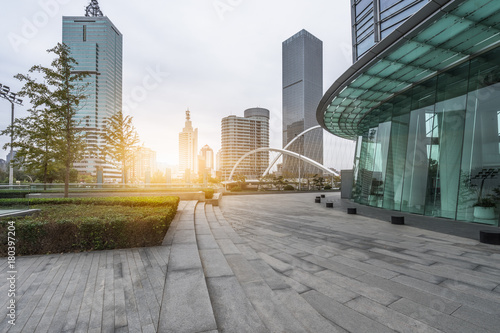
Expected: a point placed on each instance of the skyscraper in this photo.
(96, 44)
(241, 135)
(188, 147)
(302, 91)
(207, 156)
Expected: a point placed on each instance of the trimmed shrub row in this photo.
(105, 201)
(97, 224)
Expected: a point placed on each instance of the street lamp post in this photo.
(12, 98)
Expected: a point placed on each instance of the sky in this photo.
(215, 57)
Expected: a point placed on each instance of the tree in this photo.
(49, 138)
(120, 140)
(318, 181)
(36, 143)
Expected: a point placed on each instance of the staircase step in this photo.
(186, 305)
(232, 310)
(258, 280)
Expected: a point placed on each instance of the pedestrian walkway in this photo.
(271, 263)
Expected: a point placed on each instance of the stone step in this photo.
(232, 310)
(280, 307)
(186, 305)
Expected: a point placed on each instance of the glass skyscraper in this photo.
(373, 20)
(302, 91)
(96, 44)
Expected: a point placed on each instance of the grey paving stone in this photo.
(471, 277)
(388, 317)
(219, 233)
(206, 242)
(186, 304)
(472, 290)
(298, 287)
(423, 298)
(247, 251)
(343, 316)
(276, 264)
(379, 295)
(214, 263)
(337, 293)
(233, 311)
(405, 257)
(242, 269)
(436, 319)
(402, 269)
(488, 270)
(334, 266)
(305, 313)
(368, 268)
(298, 262)
(273, 280)
(227, 246)
(470, 300)
(184, 256)
(274, 315)
(479, 318)
(184, 237)
(453, 262)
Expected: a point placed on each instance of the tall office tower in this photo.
(302, 92)
(207, 155)
(188, 147)
(143, 163)
(96, 44)
(241, 135)
(373, 20)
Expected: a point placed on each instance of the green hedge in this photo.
(209, 193)
(97, 224)
(105, 201)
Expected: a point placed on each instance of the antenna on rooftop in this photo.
(93, 9)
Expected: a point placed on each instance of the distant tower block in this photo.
(188, 146)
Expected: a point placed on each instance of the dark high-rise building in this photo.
(302, 91)
(96, 44)
(373, 20)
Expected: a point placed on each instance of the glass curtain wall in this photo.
(435, 149)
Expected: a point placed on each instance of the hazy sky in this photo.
(216, 57)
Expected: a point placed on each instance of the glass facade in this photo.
(302, 91)
(373, 20)
(435, 148)
(97, 46)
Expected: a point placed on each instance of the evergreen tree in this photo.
(120, 138)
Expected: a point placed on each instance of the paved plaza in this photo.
(265, 263)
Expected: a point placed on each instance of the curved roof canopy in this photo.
(440, 35)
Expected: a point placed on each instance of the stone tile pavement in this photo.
(265, 263)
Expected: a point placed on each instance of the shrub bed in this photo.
(84, 224)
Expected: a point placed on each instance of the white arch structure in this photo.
(286, 147)
(286, 152)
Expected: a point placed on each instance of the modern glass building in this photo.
(97, 46)
(373, 20)
(302, 90)
(424, 107)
